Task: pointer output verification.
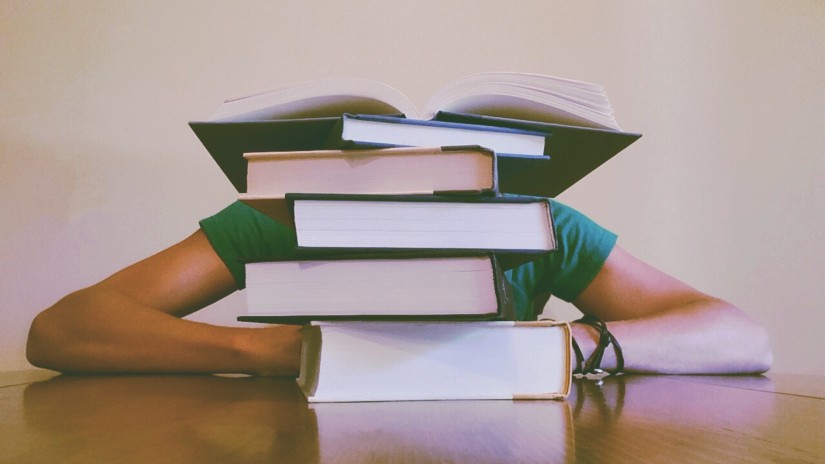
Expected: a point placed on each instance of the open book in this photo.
(581, 135)
(525, 96)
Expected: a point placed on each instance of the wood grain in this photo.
(207, 419)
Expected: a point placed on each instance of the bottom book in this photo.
(439, 360)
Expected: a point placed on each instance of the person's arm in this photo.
(131, 322)
(665, 326)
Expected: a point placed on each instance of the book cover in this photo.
(571, 153)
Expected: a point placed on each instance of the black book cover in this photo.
(573, 152)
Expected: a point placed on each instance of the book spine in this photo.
(423, 198)
(504, 293)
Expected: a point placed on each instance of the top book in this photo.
(524, 96)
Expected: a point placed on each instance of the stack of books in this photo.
(403, 229)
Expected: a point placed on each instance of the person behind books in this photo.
(133, 321)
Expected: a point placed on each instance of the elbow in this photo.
(762, 352)
(50, 335)
(743, 346)
(38, 342)
(750, 346)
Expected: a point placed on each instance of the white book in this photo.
(422, 222)
(404, 361)
(384, 171)
(470, 287)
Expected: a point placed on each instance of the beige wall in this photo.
(98, 167)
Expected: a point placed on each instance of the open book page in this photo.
(528, 97)
(319, 98)
(584, 93)
(508, 95)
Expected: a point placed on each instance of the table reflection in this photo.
(673, 419)
(248, 419)
(169, 418)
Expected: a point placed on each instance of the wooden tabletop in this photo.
(202, 419)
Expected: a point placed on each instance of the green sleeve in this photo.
(240, 233)
(583, 247)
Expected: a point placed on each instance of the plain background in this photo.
(98, 167)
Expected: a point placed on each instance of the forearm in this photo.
(94, 331)
(705, 336)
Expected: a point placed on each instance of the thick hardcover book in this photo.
(411, 170)
(403, 361)
(367, 130)
(380, 287)
(364, 223)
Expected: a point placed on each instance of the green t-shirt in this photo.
(240, 232)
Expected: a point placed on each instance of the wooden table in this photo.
(202, 419)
